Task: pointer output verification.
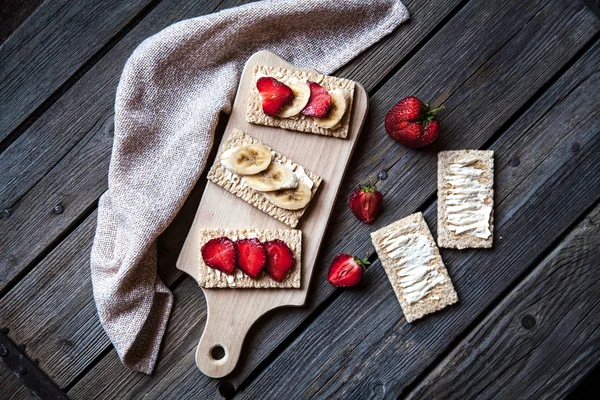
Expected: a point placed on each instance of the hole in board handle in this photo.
(218, 353)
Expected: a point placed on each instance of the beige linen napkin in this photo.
(168, 100)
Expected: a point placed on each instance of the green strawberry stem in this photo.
(440, 108)
(360, 262)
(369, 188)
(428, 115)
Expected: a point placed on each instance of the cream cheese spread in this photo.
(466, 211)
(414, 253)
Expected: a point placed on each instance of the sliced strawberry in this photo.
(365, 203)
(251, 256)
(346, 270)
(280, 259)
(274, 95)
(220, 253)
(319, 101)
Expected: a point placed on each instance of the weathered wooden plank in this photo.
(76, 135)
(55, 317)
(54, 42)
(375, 349)
(13, 14)
(270, 332)
(541, 340)
(11, 387)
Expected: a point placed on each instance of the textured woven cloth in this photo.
(168, 100)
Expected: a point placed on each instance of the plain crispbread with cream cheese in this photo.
(302, 123)
(220, 176)
(211, 278)
(479, 171)
(423, 286)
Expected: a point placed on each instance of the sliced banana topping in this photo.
(249, 159)
(275, 177)
(301, 92)
(336, 110)
(290, 199)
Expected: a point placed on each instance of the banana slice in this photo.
(290, 199)
(336, 110)
(275, 177)
(249, 159)
(301, 92)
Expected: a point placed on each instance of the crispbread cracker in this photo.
(212, 278)
(302, 123)
(440, 296)
(485, 161)
(219, 175)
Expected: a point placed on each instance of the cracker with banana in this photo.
(264, 178)
(300, 101)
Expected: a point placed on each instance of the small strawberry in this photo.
(251, 256)
(412, 123)
(280, 259)
(365, 203)
(274, 95)
(318, 102)
(346, 270)
(220, 253)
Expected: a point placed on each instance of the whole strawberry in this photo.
(365, 203)
(346, 270)
(412, 123)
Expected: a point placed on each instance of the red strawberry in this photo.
(412, 123)
(281, 259)
(365, 203)
(220, 253)
(346, 270)
(273, 94)
(318, 102)
(251, 256)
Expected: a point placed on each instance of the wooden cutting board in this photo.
(231, 312)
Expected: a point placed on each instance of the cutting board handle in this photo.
(221, 344)
(229, 318)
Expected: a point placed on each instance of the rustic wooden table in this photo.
(519, 77)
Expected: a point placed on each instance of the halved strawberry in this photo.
(319, 101)
(346, 270)
(280, 259)
(220, 253)
(251, 256)
(273, 95)
(365, 203)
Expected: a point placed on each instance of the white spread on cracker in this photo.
(415, 258)
(466, 212)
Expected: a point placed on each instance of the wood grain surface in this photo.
(530, 214)
(65, 35)
(495, 76)
(541, 338)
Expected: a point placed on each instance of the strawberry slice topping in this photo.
(346, 270)
(251, 256)
(319, 101)
(274, 95)
(280, 259)
(220, 253)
